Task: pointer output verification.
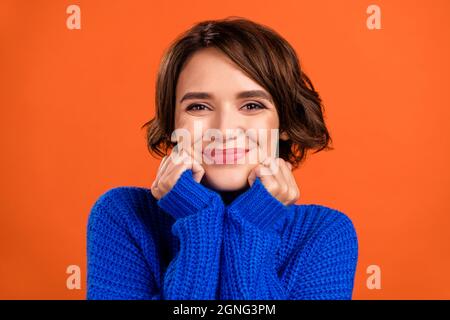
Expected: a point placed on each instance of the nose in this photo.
(229, 123)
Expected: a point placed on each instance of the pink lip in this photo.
(224, 156)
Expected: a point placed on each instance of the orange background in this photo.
(73, 101)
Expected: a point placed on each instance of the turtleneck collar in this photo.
(229, 196)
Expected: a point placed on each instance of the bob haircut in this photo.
(264, 56)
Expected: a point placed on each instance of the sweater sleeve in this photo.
(252, 237)
(122, 254)
(116, 265)
(326, 269)
(193, 274)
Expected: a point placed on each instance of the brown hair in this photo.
(265, 57)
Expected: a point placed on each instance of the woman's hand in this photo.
(171, 168)
(276, 176)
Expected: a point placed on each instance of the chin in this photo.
(226, 177)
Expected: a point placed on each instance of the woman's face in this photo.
(210, 94)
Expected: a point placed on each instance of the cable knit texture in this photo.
(189, 245)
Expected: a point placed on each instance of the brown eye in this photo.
(253, 106)
(196, 107)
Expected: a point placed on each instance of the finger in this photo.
(295, 188)
(155, 193)
(289, 165)
(261, 153)
(180, 160)
(191, 160)
(185, 163)
(290, 181)
(190, 153)
(166, 167)
(154, 188)
(196, 152)
(176, 154)
(160, 169)
(252, 177)
(268, 180)
(259, 170)
(169, 161)
(286, 171)
(282, 184)
(197, 171)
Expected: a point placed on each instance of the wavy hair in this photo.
(268, 59)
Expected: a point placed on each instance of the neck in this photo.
(229, 196)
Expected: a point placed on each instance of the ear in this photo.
(284, 136)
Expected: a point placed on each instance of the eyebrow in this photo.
(241, 95)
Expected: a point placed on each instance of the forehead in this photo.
(210, 70)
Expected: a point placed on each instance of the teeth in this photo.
(228, 148)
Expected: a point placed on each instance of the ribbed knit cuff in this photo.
(258, 206)
(186, 197)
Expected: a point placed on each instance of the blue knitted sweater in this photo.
(191, 245)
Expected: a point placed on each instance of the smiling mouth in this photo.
(226, 156)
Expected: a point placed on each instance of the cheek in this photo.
(195, 127)
(180, 120)
(268, 139)
(184, 121)
(266, 120)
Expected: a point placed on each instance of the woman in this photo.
(220, 219)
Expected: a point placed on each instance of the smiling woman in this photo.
(211, 227)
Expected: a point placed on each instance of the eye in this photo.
(196, 107)
(253, 106)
